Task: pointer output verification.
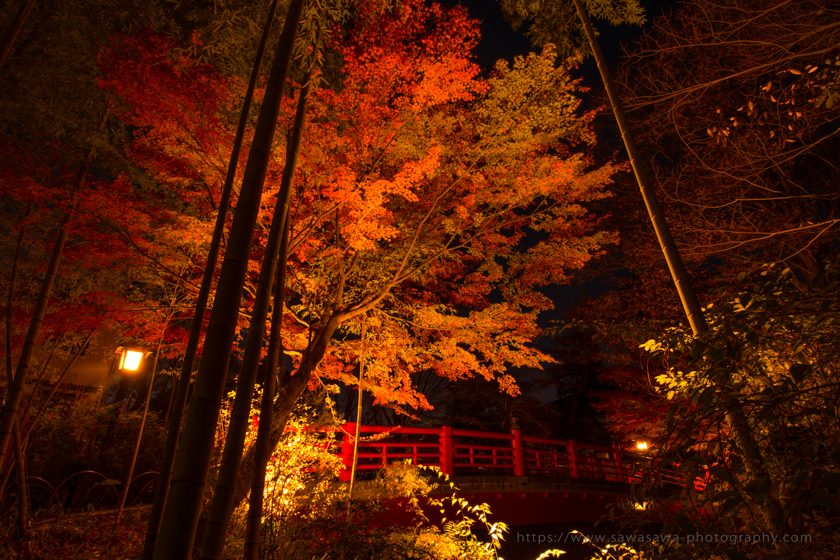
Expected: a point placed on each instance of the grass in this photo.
(77, 536)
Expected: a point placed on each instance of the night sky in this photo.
(498, 40)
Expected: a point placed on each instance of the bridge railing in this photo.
(468, 452)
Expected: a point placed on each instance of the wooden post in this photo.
(573, 458)
(518, 455)
(446, 459)
(347, 444)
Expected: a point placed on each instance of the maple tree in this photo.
(49, 125)
(423, 188)
(417, 183)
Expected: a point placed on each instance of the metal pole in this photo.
(124, 493)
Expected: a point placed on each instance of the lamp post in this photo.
(125, 359)
(130, 361)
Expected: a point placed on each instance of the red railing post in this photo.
(619, 459)
(518, 455)
(573, 458)
(446, 451)
(349, 431)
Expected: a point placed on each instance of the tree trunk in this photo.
(289, 391)
(179, 401)
(14, 29)
(262, 447)
(180, 519)
(17, 386)
(23, 510)
(221, 508)
(663, 233)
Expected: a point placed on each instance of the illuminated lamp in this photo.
(130, 358)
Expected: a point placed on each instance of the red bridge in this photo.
(532, 480)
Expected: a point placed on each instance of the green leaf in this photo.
(685, 523)
(731, 505)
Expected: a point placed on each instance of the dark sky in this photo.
(498, 40)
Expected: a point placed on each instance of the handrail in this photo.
(509, 454)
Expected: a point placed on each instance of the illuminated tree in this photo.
(415, 205)
(423, 191)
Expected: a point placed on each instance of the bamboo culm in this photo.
(222, 505)
(274, 362)
(184, 504)
(179, 401)
(772, 510)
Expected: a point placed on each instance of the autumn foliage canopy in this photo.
(430, 199)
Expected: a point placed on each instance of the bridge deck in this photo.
(525, 500)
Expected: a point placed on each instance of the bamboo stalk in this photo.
(183, 508)
(221, 508)
(275, 361)
(179, 400)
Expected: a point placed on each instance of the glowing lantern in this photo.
(642, 446)
(130, 359)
